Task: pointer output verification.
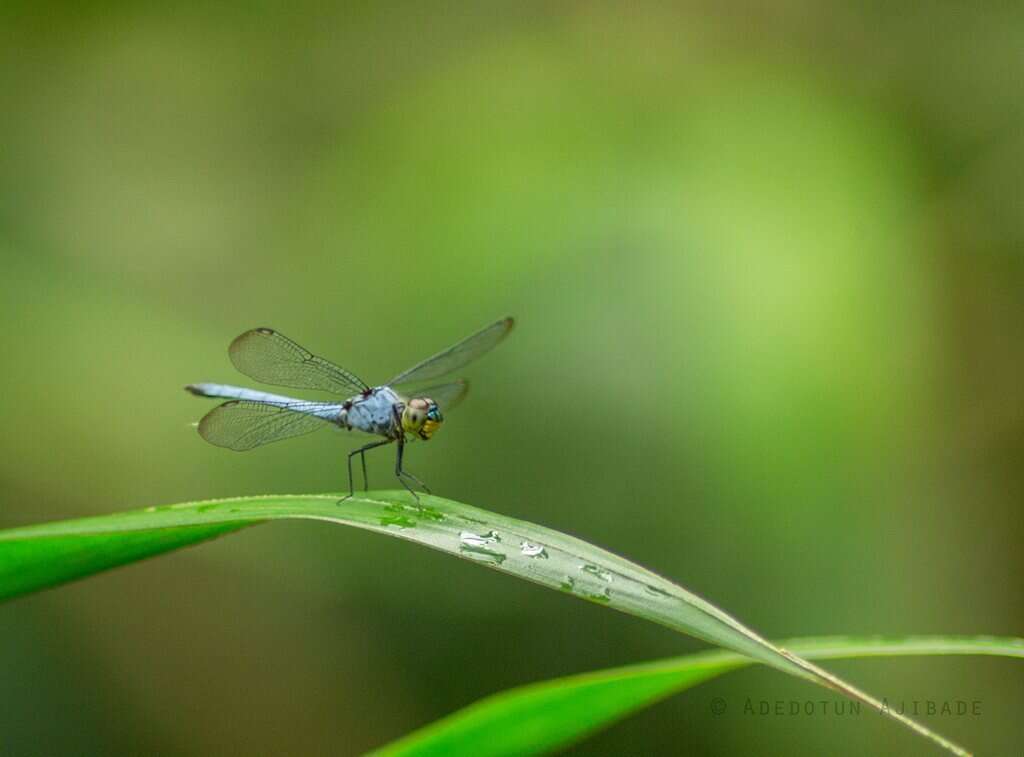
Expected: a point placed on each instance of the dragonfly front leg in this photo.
(403, 474)
(362, 454)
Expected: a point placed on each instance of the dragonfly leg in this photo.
(404, 474)
(362, 454)
(366, 479)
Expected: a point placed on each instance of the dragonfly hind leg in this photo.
(362, 456)
(403, 474)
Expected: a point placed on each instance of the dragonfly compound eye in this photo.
(415, 417)
(421, 417)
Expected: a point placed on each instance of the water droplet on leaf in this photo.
(533, 550)
(594, 570)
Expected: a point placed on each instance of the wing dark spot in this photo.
(265, 331)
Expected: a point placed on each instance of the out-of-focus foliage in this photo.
(766, 264)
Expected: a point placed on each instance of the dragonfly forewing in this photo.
(271, 357)
(456, 356)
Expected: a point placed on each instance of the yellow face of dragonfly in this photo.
(421, 417)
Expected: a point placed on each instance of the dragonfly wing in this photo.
(243, 424)
(456, 356)
(447, 396)
(273, 358)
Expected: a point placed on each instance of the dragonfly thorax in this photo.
(374, 413)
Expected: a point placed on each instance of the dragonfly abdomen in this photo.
(327, 411)
(238, 393)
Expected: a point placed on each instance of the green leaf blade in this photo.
(28, 565)
(495, 541)
(542, 717)
(40, 556)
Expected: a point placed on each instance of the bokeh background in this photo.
(766, 261)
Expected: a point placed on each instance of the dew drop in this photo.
(533, 550)
(601, 573)
(477, 540)
(656, 592)
(481, 546)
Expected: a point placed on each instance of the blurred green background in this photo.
(766, 261)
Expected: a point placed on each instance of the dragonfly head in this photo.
(421, 417)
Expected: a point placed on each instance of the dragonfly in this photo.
(252, 418)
